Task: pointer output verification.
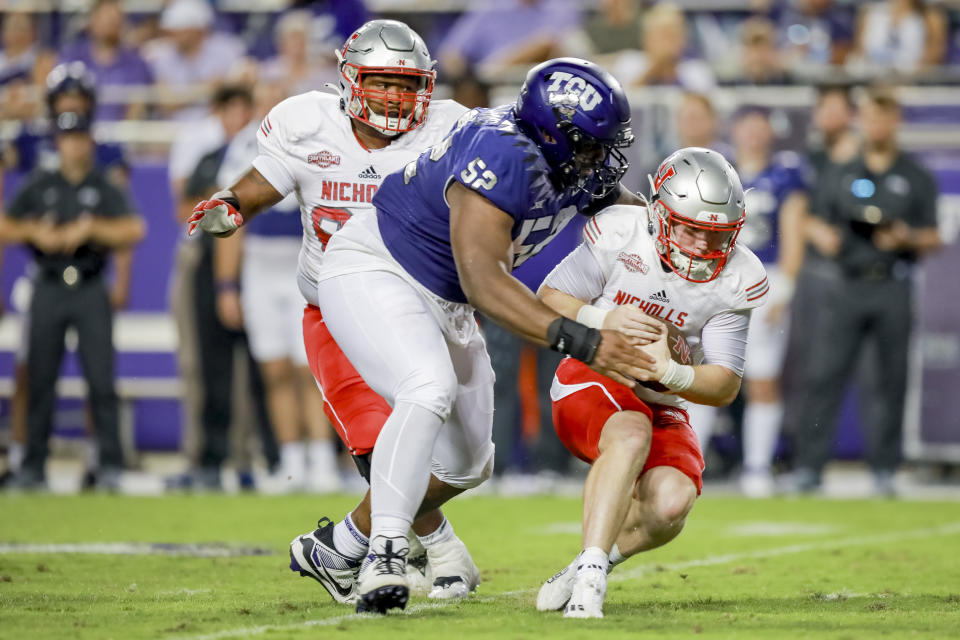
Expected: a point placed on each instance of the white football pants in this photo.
(441, 392)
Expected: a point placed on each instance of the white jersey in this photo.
(618, 264)
(307, 146)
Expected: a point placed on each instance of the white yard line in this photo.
(855, 541)
(197, 550)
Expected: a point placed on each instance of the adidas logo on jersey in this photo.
(659, 296)
(369, 173)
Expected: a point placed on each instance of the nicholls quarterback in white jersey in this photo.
(672, 277)
(307, 146)
(618, 263)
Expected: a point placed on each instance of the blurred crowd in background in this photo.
(162, 85)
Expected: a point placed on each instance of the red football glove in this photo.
(216, 217)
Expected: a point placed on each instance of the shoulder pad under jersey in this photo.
(744, 279)
(301, 116)
(444, 114)
(612, 228)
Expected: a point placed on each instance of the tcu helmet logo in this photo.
(568, 90)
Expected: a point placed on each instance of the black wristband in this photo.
(572, 338)
(228, 196)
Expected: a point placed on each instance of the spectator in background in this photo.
(877, 217)
(835, 143)
(470, 91)
(777, 202)
(901, 35)
(298, 66)
(24, 63)
(816, 32)
(833, 117)
(192, 58)
(190, 145)
(113, 64)
(507, 33)
(695, 125)
(256, 291)
(69, 88)
(760, 60)
(615, 27)
(211, 345)
(662, 60)
(71, 217)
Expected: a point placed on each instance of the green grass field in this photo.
(741, 569)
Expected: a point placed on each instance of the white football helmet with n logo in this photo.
(386, 47)
(699, 190)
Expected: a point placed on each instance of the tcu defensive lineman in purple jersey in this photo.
(399, 287)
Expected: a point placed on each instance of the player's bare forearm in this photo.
(563, 303)
(482, 249)
(254, 193)
(713, 385)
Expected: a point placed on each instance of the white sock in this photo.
(592, 559)
(322, 455)
(15, 456)
(400, 468)
(91, 454)
(348, 540)
(615, 556)
(761, 428)
(293, 462)
(440, 535)
(702, 419)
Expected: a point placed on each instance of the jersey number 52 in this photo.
(477, 176)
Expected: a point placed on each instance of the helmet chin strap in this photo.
(381, 123)
(699, 268)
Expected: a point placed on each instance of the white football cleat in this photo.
(419, 578)
(589, 589)
(382, 584)
(452, 569)
(555, 592)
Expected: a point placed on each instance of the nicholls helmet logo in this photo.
(566, 91)
(323, 159)
(662, 175)
(633, 262)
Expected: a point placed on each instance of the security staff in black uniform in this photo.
(72, 217)
(877, 217)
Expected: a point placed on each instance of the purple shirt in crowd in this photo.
(481, 35)
(128, 68)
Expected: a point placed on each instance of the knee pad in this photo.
(468, 478)
(432, 391)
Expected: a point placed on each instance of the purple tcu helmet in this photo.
(580, 118)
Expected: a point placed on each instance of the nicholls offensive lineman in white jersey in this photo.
(308, 147)
(671, 276)
(333, 151)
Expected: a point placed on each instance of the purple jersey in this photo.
(766, 193)
(485, 152)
